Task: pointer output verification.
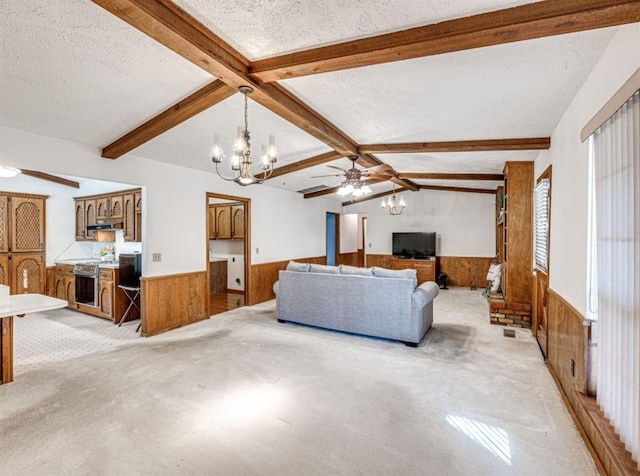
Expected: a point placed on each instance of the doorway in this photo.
(333, 238)
(228, 245)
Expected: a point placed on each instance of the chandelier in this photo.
(393, 206)
(241, 160)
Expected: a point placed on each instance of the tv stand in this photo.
(426, 268)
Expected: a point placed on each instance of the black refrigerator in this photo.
(130, 269)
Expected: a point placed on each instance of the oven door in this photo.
(87, 291)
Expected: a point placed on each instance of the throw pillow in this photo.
(300, 267)
(321, 268)
(345, 269)
(411, 274)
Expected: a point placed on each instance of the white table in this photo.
(19, 305)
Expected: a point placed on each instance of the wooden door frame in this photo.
(541, 281)
(337, 215)
(247, 242)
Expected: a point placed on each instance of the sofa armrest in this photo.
(424, 294)
(276, 287)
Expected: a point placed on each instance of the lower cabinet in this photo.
(426, 269)
(65, 284)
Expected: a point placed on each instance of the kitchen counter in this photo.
(101, 264)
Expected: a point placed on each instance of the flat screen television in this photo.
(414, 245)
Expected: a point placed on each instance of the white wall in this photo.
(233, 252)
(464, 222)
(349, 233)
(569, 158)
(284, 225)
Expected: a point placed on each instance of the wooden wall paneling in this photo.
(467, 271)
(172, 301)
(350, 259)
(381, 261)
(50, 281)
(263, 276)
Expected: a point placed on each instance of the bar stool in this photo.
(133, 294)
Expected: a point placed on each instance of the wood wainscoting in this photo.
(50, 281)
(265, 274)
(466, 271)
(469, 271)
(350, 259)
(172, 301)
(567, 344)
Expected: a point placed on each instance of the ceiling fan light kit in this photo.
(241, 160)
(8, 172)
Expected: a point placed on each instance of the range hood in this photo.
(106, 225)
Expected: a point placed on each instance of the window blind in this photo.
(541, 224)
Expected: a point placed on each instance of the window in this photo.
(541, 198)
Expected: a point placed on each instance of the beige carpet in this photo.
(241, 394)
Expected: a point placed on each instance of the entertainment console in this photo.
(426, 268)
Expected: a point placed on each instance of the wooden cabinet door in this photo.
(59, 284)
(138, 218)
(116, 209)
(106, 299)
(27, 273)
(102, 208)
(80, 221)
(90, 214)
(237, 222)
(27, 230)
(129, 217)
(4, 223)
(223, 222)
(4, 270)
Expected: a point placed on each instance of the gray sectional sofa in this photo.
(370, 301)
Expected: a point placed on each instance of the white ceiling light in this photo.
(241, 160)
(8, 172)
(393, 206)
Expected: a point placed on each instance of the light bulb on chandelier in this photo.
(241, 160)
(393, 206)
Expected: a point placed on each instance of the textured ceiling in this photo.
(71, 70)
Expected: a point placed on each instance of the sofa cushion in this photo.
(300, 267)
(321, 268)
(411, 274)
(346, 269)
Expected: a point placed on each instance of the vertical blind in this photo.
(541, 224)
(616, 181)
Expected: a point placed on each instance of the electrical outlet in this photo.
(369, 245)
(157, 256)
(257, 251)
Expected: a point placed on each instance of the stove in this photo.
(87, 283)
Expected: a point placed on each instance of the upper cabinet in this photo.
(27, 230)
(125, 206)
(226, 221)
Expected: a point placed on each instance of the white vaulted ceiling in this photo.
(72, 70)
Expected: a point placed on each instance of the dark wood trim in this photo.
(447, 176)
(457, 189)
(203, 99)
(50, 178)
(526, 22)
(24, 195)
(535, 143)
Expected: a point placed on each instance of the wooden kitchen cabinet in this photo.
(129, 205)
(125, 205)
(237, 222)
(223, 222)
(64, 284)
(22, 242)
(218, 276)
(106, 293)
(426, 269)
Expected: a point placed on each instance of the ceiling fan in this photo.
(354, 182)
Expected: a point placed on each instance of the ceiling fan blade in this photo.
(337, 168)
(380, 168)
(368, 172)
(329, 175)
(378, 177)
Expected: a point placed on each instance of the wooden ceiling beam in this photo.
(372, 197)
(526, 22)
(304, 164)
(534, 143)
(449, 176)
(177, 30)
(457, 189)
(50, 178)
(371, 161)
(203, 99)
